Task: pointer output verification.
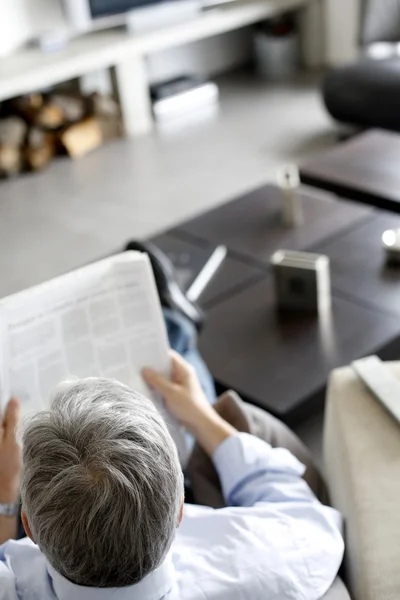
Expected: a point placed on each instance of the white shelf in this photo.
(32, 69)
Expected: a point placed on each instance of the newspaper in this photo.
(103, 320)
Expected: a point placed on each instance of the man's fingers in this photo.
(180, 372)
(157, 381)
(11, 418)
(181, 369)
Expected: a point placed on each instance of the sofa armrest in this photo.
(362, 466)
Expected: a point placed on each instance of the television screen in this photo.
(103, 8)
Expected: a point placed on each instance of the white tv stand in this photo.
(31, 69)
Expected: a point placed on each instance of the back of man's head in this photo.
(102, 486)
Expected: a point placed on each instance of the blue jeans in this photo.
(182, 337)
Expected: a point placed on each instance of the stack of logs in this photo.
(36, 127)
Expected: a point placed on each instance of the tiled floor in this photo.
(76, 211)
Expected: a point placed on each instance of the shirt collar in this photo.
(154, 586)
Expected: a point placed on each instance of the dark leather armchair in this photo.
(367, 93)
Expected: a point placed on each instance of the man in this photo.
(102, 497)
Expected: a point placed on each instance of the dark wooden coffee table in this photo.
(364, 168)
(281, 361)
(359, 269)
(251, 226)
(189, 256)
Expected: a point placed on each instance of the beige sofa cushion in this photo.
(362, 463)
(337, 591)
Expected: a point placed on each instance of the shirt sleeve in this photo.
(7, 579)
(251, 471)
(269, 480)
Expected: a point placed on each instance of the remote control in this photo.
(380, 381)
(207, 273)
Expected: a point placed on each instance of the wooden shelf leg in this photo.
(133, 93)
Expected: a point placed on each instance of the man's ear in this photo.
(25, 523)
(180, 514)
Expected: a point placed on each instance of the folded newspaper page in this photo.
(103, 320)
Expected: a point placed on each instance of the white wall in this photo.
(205, 57)
(13, 25)
(22, 19)
(342, 26)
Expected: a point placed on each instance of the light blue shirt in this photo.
(274, 541)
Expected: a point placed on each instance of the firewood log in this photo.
(38, 158)
(50, 117)
(11, 160)
(39, 111)
(12, 131)
(104, 106)
(107, 111)
(36, 137)
(81, 138)
(27, 106)
(74, 107)
(40, 149)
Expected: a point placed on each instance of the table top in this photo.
(281, 360)
(190, 256)
(251, 226)
(364, 168)
(359, 267)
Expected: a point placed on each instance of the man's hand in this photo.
(185, 399)
(182, 394)
(10, 454)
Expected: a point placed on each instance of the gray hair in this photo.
(102, 486)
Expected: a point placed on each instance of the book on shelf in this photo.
(182, 95)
